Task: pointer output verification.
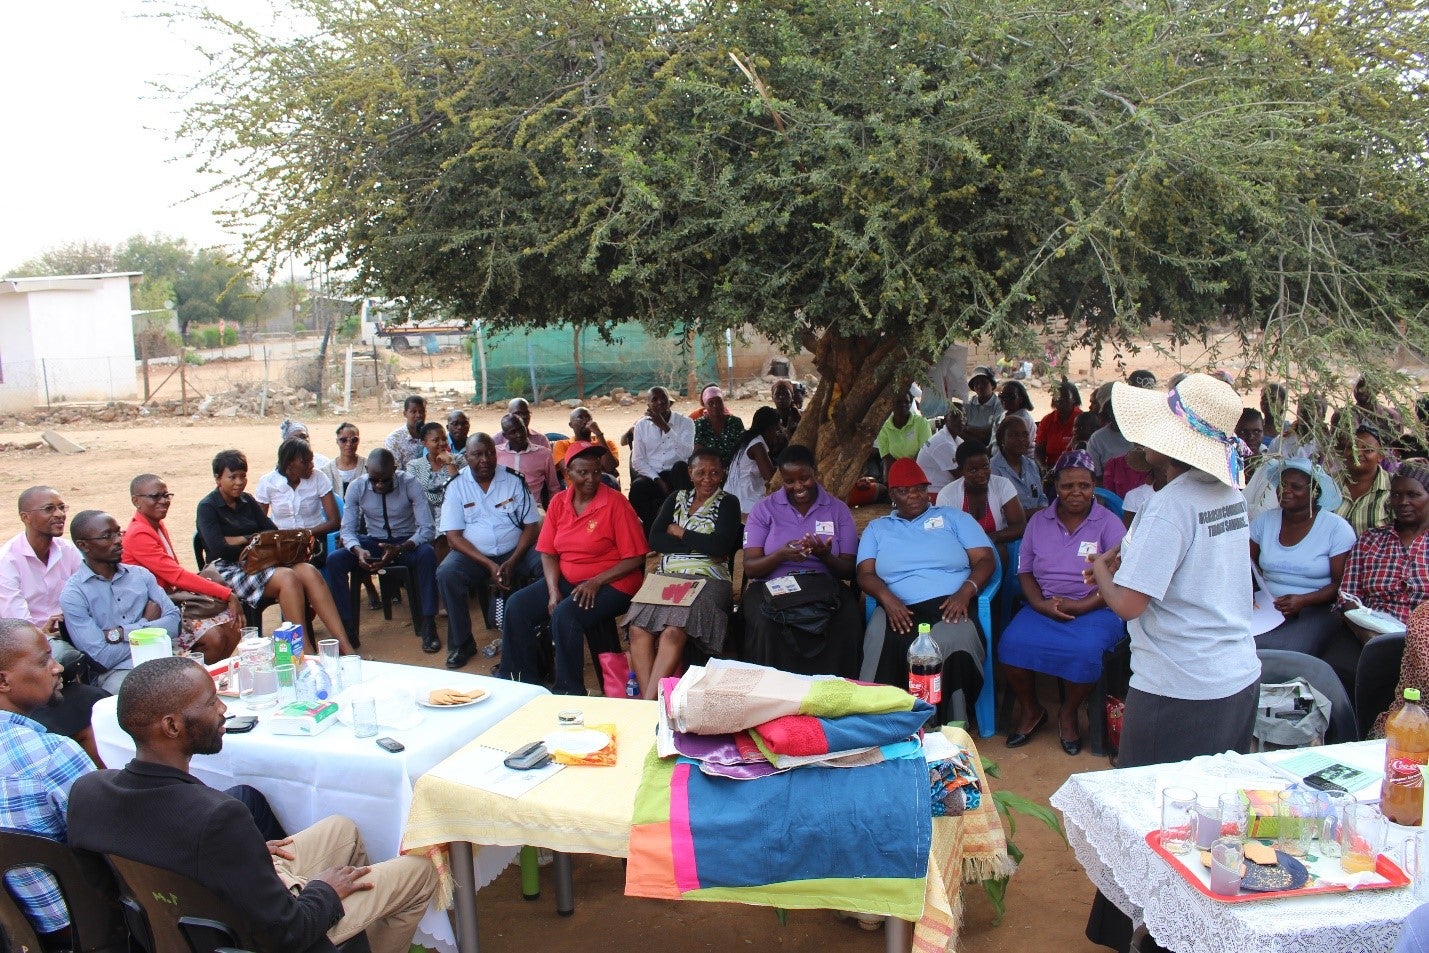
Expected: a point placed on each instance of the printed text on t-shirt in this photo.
(1223, 519)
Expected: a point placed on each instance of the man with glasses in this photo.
(34, 567)
(386, 519)
(105, 600)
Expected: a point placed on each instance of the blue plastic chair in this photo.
(1110, 500)
(985, 707)
(332, 543)
(1011, 591)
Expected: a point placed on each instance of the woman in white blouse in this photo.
(989, 499)
(295, 495)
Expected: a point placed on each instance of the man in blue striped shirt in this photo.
(37, 768)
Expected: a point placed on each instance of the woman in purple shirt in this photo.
(1065, 626)
(799, 542)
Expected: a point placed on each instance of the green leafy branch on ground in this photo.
(1009, 804)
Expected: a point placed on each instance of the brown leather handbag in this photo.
(276, 547)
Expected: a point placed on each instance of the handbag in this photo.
(196, 605)
(276, 547)
(812, 603)
(615, 673)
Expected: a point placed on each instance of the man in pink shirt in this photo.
(34, 567)
(535, 464)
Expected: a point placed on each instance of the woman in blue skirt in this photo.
(1065, 626)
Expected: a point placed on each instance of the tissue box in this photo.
(1260, 813)
(303, 719)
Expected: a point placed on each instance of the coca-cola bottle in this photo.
(925, 668)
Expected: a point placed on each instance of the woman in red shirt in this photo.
(1057, 431)
(592, 548)
(147, 544)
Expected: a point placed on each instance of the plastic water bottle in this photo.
(313, 683)
(925, 667)
(632, 687)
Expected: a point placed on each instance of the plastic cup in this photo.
(1361, 837)
(349, 672)
(327, 657)
(1208, 822)
(1178, 816)
(1295, 814)
(364, 716)
(1227, 857)
(262, 683)
(287, 682)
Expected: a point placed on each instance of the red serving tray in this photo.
(1385, 867)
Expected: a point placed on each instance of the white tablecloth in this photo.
(307, 779)
(1108, 815)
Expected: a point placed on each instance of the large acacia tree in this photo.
(871, 182)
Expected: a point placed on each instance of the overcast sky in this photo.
(88, 150)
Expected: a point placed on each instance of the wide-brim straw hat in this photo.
(1194, 423)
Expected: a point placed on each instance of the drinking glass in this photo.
(1235, 816)
(349, 672)
(1361, 837)
(1416, 864)
(196, 657)
(1295, 815)
(287, 683)
(1227, 857)
(1332, 816)
(364, 716)
(248, 632)
(1178, 817)
(327, 657)
(263, 685)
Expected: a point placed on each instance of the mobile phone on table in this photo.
(238, 724)
(391, 744)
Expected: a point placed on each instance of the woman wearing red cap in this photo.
(924, 563)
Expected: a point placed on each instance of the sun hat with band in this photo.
(1194, 422)
(1328, 497)
(906, 472)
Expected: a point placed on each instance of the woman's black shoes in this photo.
(1021, 738)
(1073, 747)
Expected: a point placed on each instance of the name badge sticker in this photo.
(933, 522)
(823, 527)
(783, 586)
(1087, 548)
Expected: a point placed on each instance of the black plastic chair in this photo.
(88, 888)
(391, 580)
(1281, 665)
(1376, 678)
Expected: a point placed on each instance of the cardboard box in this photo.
(303, 719)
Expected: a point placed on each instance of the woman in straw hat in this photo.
(1181, 580)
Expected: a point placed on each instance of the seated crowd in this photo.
(987, 493)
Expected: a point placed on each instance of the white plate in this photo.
(578, 742)
(423, 700)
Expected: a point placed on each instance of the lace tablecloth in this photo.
(1108, 814)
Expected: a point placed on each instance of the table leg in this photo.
(897, 935)
(464, 899)
(565, 888)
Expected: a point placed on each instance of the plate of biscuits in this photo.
(452, 697)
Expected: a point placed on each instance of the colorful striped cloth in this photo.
(814, 838)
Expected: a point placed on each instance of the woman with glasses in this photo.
(214, 629)
(341, 471)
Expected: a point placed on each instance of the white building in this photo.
(66, 338)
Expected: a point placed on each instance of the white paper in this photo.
(782, 586)
(938, 747)
(1264, 616)
(482, 768)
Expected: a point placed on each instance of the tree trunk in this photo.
(857, 379)
(576, 358)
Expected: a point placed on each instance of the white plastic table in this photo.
(307, 779)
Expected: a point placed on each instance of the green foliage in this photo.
(350, 327)
(1008, 805)
(882, 180)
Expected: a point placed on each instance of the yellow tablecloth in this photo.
(588, 810)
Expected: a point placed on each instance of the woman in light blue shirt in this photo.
(1301, 549)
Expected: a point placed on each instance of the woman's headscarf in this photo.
(1074, 460)
(290, 427)
(1416, 470)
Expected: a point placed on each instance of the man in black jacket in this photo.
(304, 893)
